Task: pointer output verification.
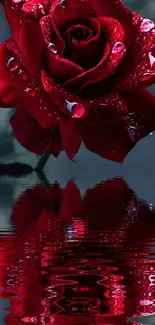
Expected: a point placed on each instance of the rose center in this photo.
(77, 32)
(83, 43)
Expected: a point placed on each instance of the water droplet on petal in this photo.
(76, 109)
(146, 25)
(17, 1)
(62, 3)
(133, 132)
(13, 64)
(41, 8)
(151, 59)
(31, 92)
(146, 302)
(23, 74)
(53, 48)
(118, 47)
(146, 76)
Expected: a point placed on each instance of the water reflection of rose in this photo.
(68, 267)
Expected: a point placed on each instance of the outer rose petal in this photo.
(29, 133)
(35, 9)
(71, 132)
(141, 103)
(138, 67)
(55, 142)
(15, 16)
(32, 44)
(63, 99)
(8, 92)
(2, 104)
(19, 89)
(113, 139)
(110, 141)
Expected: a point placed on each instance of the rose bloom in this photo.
(75, 70)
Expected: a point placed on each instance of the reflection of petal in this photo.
(92, 278)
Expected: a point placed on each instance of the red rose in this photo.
(75, 70)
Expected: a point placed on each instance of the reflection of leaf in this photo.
(15, 169)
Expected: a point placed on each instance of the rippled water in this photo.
(73, 259)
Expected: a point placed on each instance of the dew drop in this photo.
(146, 76)
(12, 64)
(31, 92)
(151, 59)
(62, 3)
(76, 109)
(41, 8)
(146, 25)
(118, 47)
(146, 302)
(133, 132)
(23, 74)
(53, 48)
(17, 1)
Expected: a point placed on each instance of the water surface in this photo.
(77, 259)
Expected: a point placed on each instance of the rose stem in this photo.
(43, 178)
(42, 161)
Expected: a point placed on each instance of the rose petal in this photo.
(2, 104)
(106, 67)
(112, 30)
(68, 11)
(31, 43)
(51, 34)
(113, 140)
(55, 142)
(71, 132)
(15, 16)
(65, 101)
(34, 9)
(19, 89)
(110, 141)
(58, 66)
(115, 9)
(29, 133)
(91, 75)
(138, 68)
(8, 92)
(141, 104)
